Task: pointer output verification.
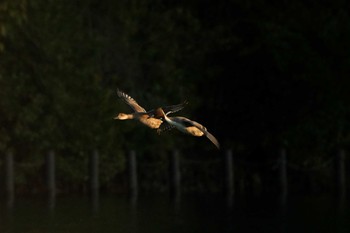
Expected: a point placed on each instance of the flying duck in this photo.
(149, 118)
(186, 126)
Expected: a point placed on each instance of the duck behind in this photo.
(188, 126)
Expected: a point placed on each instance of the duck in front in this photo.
(151, 118)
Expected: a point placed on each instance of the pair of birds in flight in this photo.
(154, 118)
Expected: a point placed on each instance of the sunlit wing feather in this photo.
(130, 101)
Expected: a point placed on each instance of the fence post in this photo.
(50, 177)
(175, 175)
(132, 169)
(341, 183)
(9, 178)
(283, 174)
(94, 179)
(229, 177)
(94, 172)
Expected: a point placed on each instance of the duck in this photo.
(151, 118)
(186, 126)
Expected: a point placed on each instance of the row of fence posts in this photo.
(175, 176)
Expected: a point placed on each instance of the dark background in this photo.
(258, 74)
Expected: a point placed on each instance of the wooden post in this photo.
(229, 177)
(175, 175)
(9, 178)
(94, 172)
(132, 169)
(50, 177)
(283, 175)
(94, 179)
(340, 166)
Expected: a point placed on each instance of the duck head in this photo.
(123, 116)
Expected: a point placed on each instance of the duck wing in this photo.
(187, 122)
(130, 101)
(156, 113)
(174, 108)
(212, 139)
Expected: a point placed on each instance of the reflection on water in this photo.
(160, 214)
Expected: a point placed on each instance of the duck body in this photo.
(186, 126)
(151, 122)
(190, 127)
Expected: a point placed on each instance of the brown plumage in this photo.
(187, 126)
(149, 118)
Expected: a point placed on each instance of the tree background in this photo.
(258, 74)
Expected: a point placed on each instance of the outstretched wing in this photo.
(130, 101)
(212, 139)
(188, 122)
(158, 112)
(174, 108)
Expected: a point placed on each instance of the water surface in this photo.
(155, 214)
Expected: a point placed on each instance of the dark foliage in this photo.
(257, 74)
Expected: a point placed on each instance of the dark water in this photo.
(155, 214)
